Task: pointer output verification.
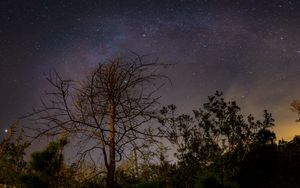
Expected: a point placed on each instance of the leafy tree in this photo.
(127, 172)
(12, 151)
(272, 165)
(46, 167)
(107, 112)
(208, 179)
(217, 135)
(89, 175)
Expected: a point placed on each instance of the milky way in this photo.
(250, 50)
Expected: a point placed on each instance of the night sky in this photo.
(250, 50)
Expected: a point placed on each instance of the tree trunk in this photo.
(136, 163)
(112, 155)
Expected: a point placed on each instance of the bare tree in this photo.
(295, 107)
(107, 111)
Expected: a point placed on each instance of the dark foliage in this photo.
(272, 166)
(217, 136)
(46, 168)
(217, 147)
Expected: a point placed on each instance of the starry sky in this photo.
(249, 49)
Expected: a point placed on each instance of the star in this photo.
(233, 47)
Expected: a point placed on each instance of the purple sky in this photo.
(250, 50)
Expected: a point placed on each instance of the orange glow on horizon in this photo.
(287, 130)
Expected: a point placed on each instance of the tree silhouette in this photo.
(107, 111)
(12, 151)
(295, 107)
(45, 169)
(272, 165)
(217, 135)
